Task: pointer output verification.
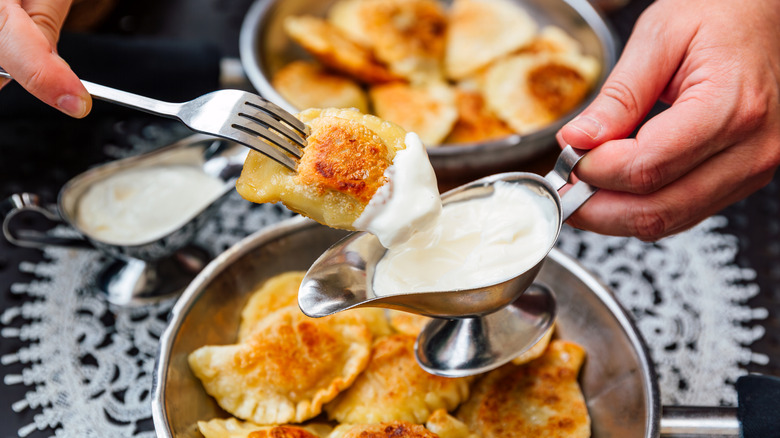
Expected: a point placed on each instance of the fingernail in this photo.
(73, 106)
(588, 126)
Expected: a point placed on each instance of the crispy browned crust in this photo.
(559, 88)
(475, 120)
(285, 370)
(541, 398)
(282, 432)
(394, 387)
(392, 429)
(345, 156)
(331, 47)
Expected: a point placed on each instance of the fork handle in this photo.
(125, 98)
(132, 100)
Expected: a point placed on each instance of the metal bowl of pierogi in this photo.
(617, 379)
(471, 147)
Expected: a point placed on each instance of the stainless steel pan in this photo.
(618, 378)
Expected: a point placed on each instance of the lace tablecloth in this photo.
(88, 367)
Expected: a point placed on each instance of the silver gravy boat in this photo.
(150, 270)
(474, 329)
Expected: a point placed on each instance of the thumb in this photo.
(647, 64)
(28, 54)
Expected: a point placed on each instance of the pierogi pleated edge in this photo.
(369, 405)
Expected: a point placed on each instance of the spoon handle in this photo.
(561, 175)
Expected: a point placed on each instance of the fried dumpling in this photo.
(342, 167)
(390, 429)
(446, 426)
(281, 291)
(481, 31)
(357, 172)
(406, 35)
(476, 122)
(276, 293)
(394, 387)
(234, 428)
(331, 47)
(540, 398)
(530, 91)
(286, 369)
(308, 85)
(428, 110)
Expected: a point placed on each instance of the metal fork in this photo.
(236, 115)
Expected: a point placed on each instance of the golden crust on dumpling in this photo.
(481, 31)
(342, 167)
(308, 85)
(281, 291)
(390, 429)
(276, 293)
(540, 398)
(407, 323)
(537, 350)
(476, 122)
(446, 426)
(234, 428)
(331, 47)
(394, 387)
(287, 369)
(407, 35)
(427, 110)
(530, 91)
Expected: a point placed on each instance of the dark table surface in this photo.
(40, 149)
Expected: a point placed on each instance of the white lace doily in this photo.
(89, 366)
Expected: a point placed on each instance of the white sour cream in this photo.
(475, 243)
(408, 202)
(140, 205)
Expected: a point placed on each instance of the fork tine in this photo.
(277, 140)
(251, 140)
(277, 112)
(260, 121)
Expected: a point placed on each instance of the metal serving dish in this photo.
(618, 379)
(148, 270)
(265, 48)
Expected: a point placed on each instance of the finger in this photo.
(703, 192)
(666, 147)
(48, 15)
(649, 60)
(28, 56)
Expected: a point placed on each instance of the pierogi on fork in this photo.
(357, 172)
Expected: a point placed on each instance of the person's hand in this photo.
(29, 30)
(718, 64)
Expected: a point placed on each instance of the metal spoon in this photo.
(478, 328)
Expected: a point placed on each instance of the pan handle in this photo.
(756, 417)
(20, 202)
(689, 421)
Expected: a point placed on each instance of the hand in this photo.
(717, 63)
(29, 30)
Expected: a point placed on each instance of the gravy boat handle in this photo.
(561, 175)
(28, 238)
